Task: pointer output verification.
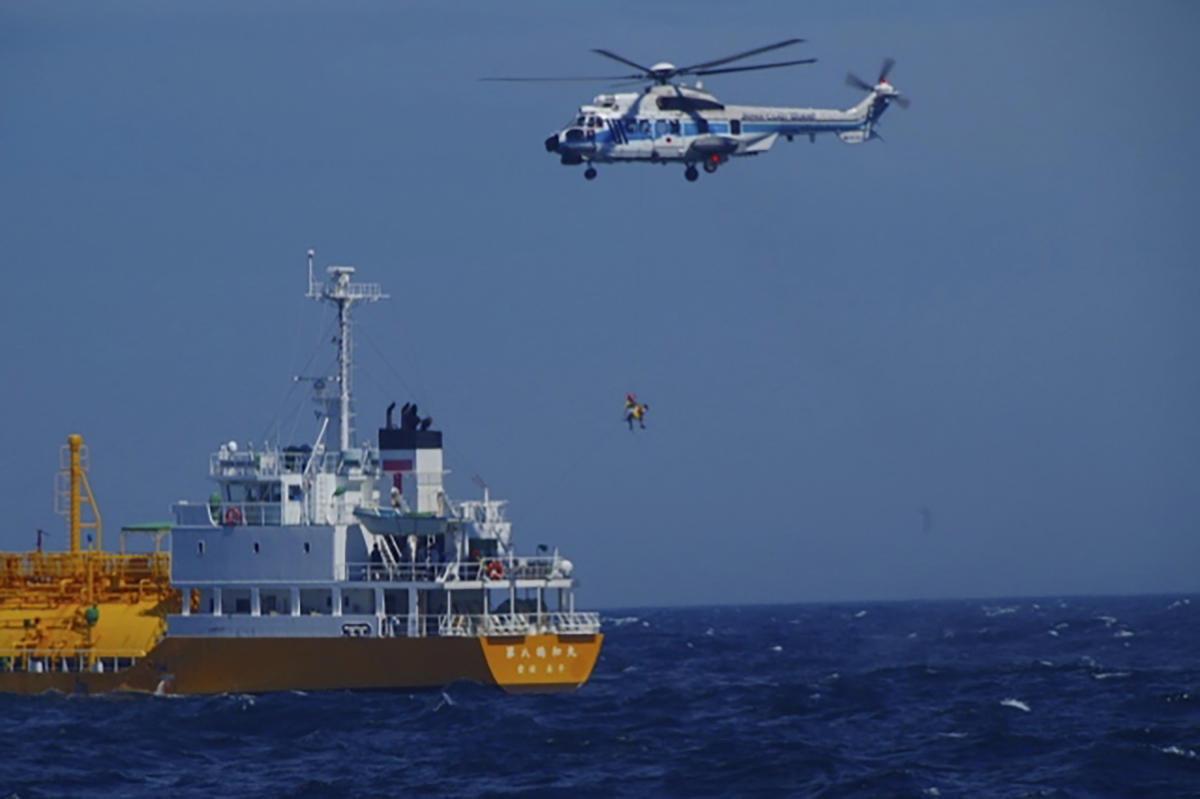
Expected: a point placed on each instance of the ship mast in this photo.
(340, 291)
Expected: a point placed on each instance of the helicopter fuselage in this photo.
(672, 123)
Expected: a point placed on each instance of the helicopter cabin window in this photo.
(660, 128)
(702, 126)
(680, 103)
(674, 126)
(631, 125)
(735, 126)
(645, 126)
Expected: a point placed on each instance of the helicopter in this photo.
(669, 122)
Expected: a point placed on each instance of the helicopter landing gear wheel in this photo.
(691, 174)
(589, 173)
(710, 166)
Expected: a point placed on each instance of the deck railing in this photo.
(40, 661)
(474, 625)
(20, 569)
(488, 570)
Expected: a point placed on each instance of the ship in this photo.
(322, 565)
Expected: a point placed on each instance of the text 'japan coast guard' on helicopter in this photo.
(669, 122)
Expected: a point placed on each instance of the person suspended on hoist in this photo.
(635, 411)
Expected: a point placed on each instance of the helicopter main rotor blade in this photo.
(746, 54)
(747, 69)
(888, 63)
(902, 101)
(559, 80)
(623, 60)
(858, 83)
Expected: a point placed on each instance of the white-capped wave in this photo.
(1108, 675)
(777, 648)
(1015, 703)
(992, 612)
(860, 614)
(1109, 621)
(1190, 754)
(1122, 634)
(1178, 603)
(621, 622)
(710, 632)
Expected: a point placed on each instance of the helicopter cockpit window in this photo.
(594, 122)
(579, 120)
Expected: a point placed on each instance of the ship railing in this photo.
(392, 573)
(475, 625)
(533, 568)
(39, 660)
(29, 569)
(228, 514)
(272, 463)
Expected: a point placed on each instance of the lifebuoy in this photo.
(233, 515)
(494, 570)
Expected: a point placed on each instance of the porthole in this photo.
(307, 547)
(255, 547)
(200, 548)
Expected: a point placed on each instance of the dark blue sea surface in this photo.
(1091, 697)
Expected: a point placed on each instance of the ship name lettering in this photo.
(510, 652)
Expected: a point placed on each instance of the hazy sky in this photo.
(992, 315)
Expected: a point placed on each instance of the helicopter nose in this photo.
(552, 143)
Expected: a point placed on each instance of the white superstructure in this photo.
(360, 540)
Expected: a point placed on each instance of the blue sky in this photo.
(992, 314)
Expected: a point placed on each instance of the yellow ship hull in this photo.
(518, 664)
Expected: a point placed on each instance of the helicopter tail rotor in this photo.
(881, 86)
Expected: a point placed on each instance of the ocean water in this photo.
(1073, 697)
